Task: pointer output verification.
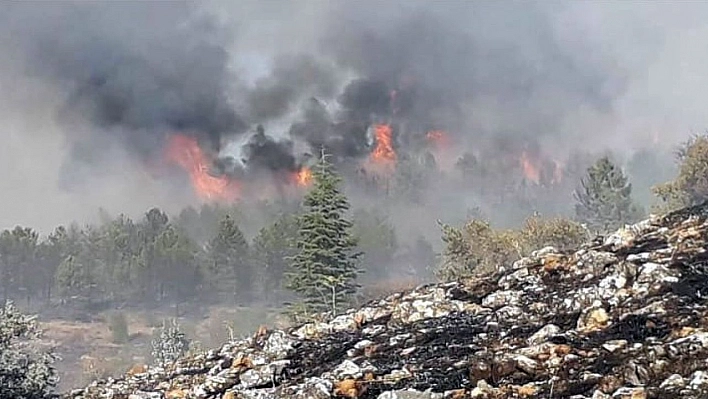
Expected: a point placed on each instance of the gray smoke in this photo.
(133, 69)
(91, 90)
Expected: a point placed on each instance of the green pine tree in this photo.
(324, 270)
(229, 265)
(604, 198)
(75, 279)
(272, 247)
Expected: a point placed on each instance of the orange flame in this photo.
(383, 152)
(531, 171)
(185, 152)
(303, 177)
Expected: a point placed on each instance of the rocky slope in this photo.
(623, 317)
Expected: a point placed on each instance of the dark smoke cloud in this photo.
(291, 77)
(264, 152)
(446, 58)
(499, 76)
(139, 70)
(134, 69)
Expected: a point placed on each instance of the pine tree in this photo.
(324, 270)
(177, 265)
(76, 279)
(605, 198)
(272, 247)
(229, 263)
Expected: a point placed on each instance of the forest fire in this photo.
(541, 171)
(303, 177)
(383, 153)
(530, 168)
(185, 151)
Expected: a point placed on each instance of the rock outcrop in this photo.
(623, 317)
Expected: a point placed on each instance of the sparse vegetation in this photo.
(478, 248)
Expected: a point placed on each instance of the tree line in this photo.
(198, 254)
(604, 202)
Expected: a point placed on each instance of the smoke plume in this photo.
(92, 93)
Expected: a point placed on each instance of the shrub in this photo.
(169, 344)
(478, 248)
(25, 371)
(563, 234)
(690, 187)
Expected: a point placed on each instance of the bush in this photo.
(25, 371)
(169, 344)
(118, 325)
(477, 248)
(560, 233)
(690, 187)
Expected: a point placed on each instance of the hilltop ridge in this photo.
(624, 316)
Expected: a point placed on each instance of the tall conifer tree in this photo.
(229, 266)
(324, 270)
(604, 198)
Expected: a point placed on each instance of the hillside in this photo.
(622, 317)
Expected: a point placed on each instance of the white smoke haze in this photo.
(89, 90)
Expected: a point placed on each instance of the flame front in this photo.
(185, 151)
(383, 153)
(530, 169)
